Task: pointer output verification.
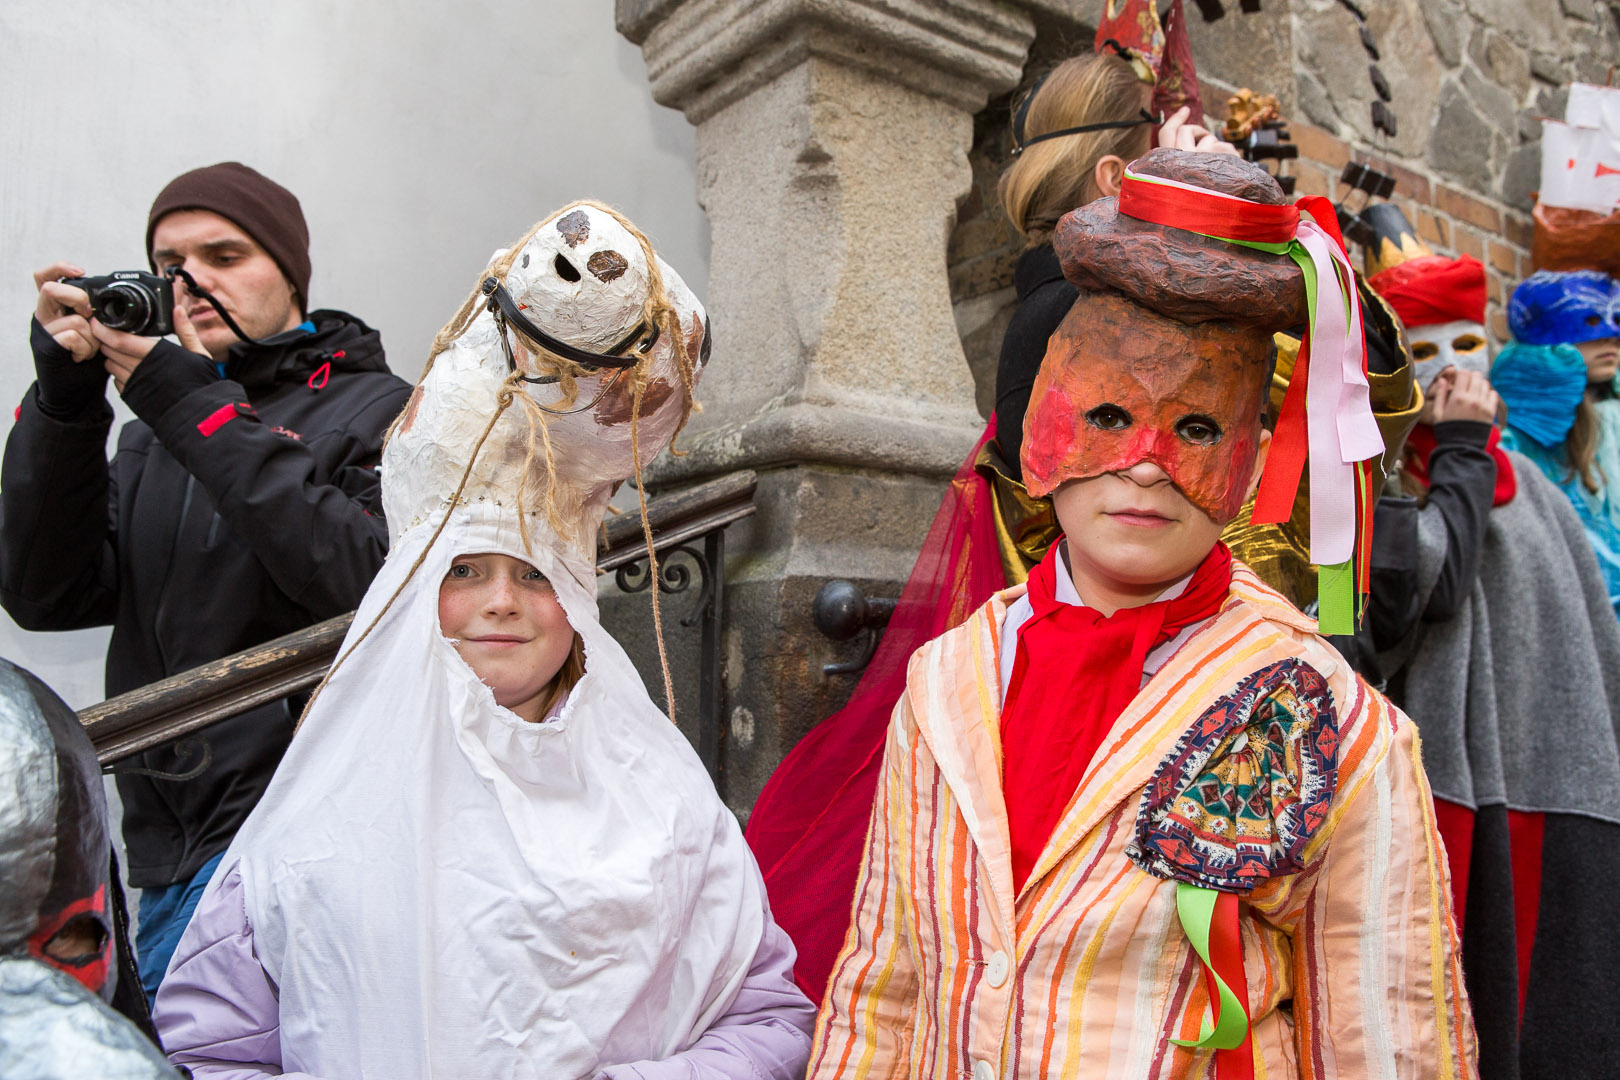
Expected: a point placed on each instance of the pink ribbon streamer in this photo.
(1337, 389)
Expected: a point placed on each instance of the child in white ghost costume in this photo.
(434, 886)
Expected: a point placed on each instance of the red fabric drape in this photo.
(808, 827)
(1456, 825)
(1422, 441)
(1525, 832)
(1074, 673)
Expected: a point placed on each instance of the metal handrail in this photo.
(181, 704)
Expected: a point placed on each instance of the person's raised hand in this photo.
(1470, 397)
(64, 310)
(1177, 134)
(124, 352)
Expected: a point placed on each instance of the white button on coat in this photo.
(983, 1070)
(995, 972)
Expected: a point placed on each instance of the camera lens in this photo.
(124, 306)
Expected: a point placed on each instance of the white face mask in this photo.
(1459, 344)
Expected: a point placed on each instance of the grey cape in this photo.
(1517, 698)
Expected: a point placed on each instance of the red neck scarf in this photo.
(1423, 441)
(1074, 673)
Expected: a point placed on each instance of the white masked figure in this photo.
(436, 884)
(1460, 343)
(1440, 301)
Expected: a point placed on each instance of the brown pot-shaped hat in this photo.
(1179, 274)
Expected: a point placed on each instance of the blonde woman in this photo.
(1073, 135)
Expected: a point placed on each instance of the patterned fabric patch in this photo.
(1247, 785)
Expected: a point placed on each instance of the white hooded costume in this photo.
(435, 887)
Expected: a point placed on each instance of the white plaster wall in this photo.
(419, 136)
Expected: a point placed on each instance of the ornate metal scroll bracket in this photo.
(841, 611)
(678, 565)
(674, 578)
(678, 521)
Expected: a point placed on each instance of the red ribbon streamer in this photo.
(1279, 483)
(1226, 959)
(1204, 212)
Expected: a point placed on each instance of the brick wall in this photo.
(1450, 220)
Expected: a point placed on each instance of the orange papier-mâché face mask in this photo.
(1121, 385)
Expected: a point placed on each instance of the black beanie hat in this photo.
(257, 205)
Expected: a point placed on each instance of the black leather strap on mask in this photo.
(507, 313)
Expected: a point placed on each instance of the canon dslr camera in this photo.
(130, 300)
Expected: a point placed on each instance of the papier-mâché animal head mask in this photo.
(54, 843)
(549, 436)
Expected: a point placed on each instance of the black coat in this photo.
(236, 509)
(1044, 298)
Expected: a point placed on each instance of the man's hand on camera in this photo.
(124, 352)
(64, 311)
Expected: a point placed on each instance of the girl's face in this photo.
(1602, 358)
(505, 621)
(1132, 533)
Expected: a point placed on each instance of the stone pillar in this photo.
(832, 140)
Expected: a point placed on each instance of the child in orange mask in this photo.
(1137, 817)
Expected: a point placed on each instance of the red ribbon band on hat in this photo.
(1207, 212)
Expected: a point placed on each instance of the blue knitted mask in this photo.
(1542, 386)
(1552, 308)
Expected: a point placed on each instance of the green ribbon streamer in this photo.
(1195, 906)
(1336, 598)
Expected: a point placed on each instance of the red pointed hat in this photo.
(1434, 289)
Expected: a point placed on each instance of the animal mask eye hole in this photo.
(565, 269)
(1424, 350)
(78, 943)
(1199, 430)
(1468, 343)
(525, 260)
(1109, 418)
(1593, 320)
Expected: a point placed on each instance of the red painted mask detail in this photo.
(1167, 379)
(90, 971)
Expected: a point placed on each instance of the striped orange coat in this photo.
(1352, 964)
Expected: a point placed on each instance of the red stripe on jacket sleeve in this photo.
(220, 417)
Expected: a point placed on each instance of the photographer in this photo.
(242, 503)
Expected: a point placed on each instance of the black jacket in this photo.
(1044, 298)
(1462, 489)
(236, 510)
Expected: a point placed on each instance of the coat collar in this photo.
(955, 689)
